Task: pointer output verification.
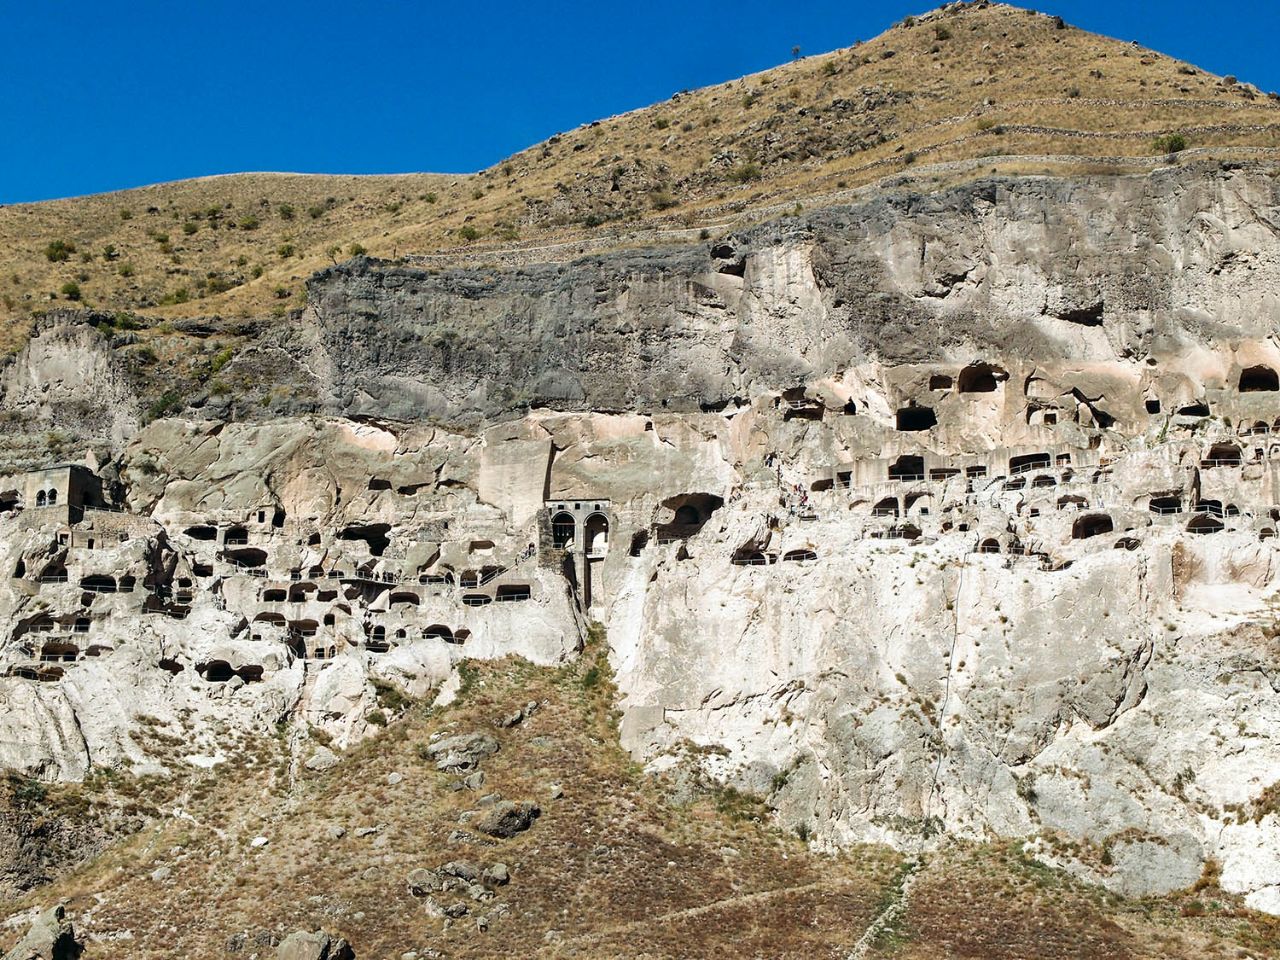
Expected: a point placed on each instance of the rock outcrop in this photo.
(52, 937)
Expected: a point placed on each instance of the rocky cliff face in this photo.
(948, 514)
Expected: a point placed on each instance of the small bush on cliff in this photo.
(1173, 143)
(70, 290)
(745, 172)
(168, 402)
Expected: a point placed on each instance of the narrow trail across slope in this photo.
(595, 936)
(889, 916)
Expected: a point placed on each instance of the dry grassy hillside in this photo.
(1021, 91)
(618, 864)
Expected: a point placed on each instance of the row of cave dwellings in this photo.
(304, 612)
(301, 608)
(71, 613)
(1050, 482)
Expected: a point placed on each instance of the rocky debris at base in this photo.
(51, 937)
(314, 946)
(506, 818)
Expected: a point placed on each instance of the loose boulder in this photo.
(314, 946)
(462, 752)
(506, 819)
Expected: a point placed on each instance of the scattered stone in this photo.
(422, 882)
(160, 874)
(314, 946)
(323, 759)
(488, 800)
(464, 869)
(496, 875)
(394, 778)
(258, 842)
(456, 910)
(366, 831)
(51, 937)
(337, 832)
(541, 743)
(474, 781)
(506, 819)
(556, 791)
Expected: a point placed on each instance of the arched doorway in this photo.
(596, 534)
(563, 528)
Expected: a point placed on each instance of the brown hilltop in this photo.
(967, 89)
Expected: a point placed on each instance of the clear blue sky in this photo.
(99, 95)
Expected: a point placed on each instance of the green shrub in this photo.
(429, 197)
(286, 211)
(745, 172)
(169, 402)
(662, 200)
(248, 223)
(661, 123)
(376, 718)
(315, 212)
(286, 250)
(189, 227)
(1172, 143)
(941, 33)
(125, 270)
(469, 233)
(126, 213)
(220, 360)
(390, 697)
(356, 250)
(70, 290)
(58, 251)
